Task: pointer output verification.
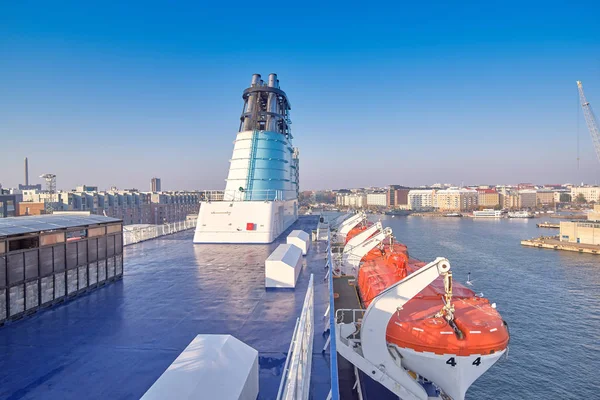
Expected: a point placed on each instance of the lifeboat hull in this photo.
(451, 373)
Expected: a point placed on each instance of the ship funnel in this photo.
(266, 107)
(273, 81)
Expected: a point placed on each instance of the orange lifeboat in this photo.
(452, 353)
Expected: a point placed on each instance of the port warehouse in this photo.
(583, 232)
(47, 259)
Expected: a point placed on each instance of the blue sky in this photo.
(381, 93)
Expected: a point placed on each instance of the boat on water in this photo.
(398, 212)
(520, 214)
(455, 215)
(439, 333)
(488, 213)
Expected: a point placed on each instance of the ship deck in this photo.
(114, 342)
(347, 298)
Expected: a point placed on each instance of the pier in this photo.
(548, 225)
(552, 243)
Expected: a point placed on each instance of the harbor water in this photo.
(550, 299)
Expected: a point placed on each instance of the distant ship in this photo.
(453, 215)
(488, 213)
(398, 212)
(520, 214)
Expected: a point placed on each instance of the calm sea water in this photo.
(550, 299)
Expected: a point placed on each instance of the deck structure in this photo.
(114, 342)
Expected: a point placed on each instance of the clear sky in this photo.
(382, 93)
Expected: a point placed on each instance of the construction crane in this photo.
(590, 119)
(51, 189)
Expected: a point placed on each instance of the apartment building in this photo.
(590, 193)
(488, 198)
(527, 198)
(397, 197)
(456, 199)
(377, 199)
(421, 199)
(544, 197)
(131, 206)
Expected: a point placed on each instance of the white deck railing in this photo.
(334, 394)
(295, 382)
(247, 195)
(136, 234)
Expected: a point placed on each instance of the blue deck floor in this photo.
(114, 342)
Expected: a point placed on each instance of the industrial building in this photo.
(582, 232)
(47, 259)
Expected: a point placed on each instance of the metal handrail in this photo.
(247, 195)
(335, 388)
(133, 235)
(295, 380)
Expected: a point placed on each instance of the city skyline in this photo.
(148, 185)
(410, 98)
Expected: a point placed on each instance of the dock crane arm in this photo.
(590, 119)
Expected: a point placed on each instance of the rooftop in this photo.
(19, 225)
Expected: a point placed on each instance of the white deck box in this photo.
(283, 266)
(300, 239)
(210, 367)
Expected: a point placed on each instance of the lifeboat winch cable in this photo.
(447, 310)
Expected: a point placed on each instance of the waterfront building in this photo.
(594, 215)
(590, 193)
(456, 199)
(562, 196)
(397, 197)
(421, 199)
(510, 200)
(377, 199)
(357, 200)
(583, 232)
(527, 198)
(544, 197)
(488, 198)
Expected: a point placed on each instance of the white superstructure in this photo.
(260, 200)
(520, 214)
(487, 213)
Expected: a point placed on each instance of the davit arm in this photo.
(377, 317)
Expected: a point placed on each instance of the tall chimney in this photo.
(26, 172)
